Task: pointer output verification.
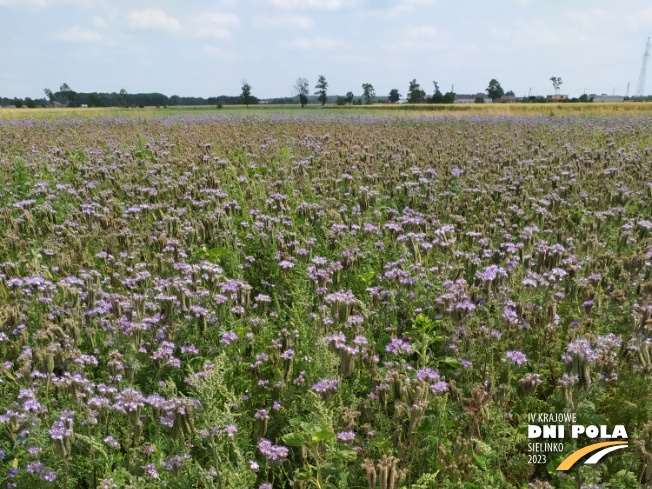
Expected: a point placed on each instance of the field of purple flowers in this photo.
(322, 301)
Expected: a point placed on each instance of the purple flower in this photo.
(326, 385)
(397, 345)
(275, 453)
(582, 348)
(262, 414)
(112, 441)
(427, 373)
(516, 356)
(346, 435)
(438, 387)
(228, 338)
(150, 469)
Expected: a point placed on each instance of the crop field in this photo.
(377, 110)
(323, 300)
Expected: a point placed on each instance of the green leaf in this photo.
(347, 454)
(478, 458)
(323, 434)
(452, 362)
(426, 427)
(295, 439)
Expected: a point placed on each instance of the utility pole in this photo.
(640, 88)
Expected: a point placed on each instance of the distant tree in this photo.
(49, 94)
(449, 98)
(368, 93)
(174, 100)
(93, 100)
(340, 100)
(479, 100)
(394, 96)
(349, 97)
(302, 87)
(437, 97)
(122, 98)
(494, 90)
(246, 93)
(322, 86)
(31, 104)
(510, 93)
(18, 103)
(68, 93)
(415, 94)
(556, 83)
(584, 98)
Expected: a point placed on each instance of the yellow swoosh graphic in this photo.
(575, 456)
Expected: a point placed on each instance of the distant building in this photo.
(461, 98)
(510, 99)
(84, 106)
(557, 97)
(607, 98)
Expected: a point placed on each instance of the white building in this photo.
(470, 99)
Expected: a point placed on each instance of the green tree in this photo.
(68, 93)
(246, 93)
(584, 98)
(302, 88)
(368, 93)
(349, 97)
(556, 83)
(449, 98)
(322, 86)
(31, 104)
(93, 100)
(479, 100)
(437, 97)
(415, 94)
(494, 90)
(49, 94)
(122, 98)
(394, 96)
(18, 103)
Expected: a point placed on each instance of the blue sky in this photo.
(206, 48)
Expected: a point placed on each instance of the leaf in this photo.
(323, 434)
(426, 427)
(452, 362)
(347, 454)
(295, 439)
(478, 458)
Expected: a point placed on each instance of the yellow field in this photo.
(404, 110)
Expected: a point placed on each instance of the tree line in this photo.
(301, 90)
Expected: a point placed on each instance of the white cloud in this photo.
(79, 34)
(284, 21)
(214, 25)
(99, 21)
(152, 19)
(418, 38)
(642, 18)
(47, 3)
(219, 53)
(305, 44)
(307, 4)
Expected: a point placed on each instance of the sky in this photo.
(207, 48)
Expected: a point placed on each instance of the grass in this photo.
(404, 110)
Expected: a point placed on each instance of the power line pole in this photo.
(640, 88)
(627, 92)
